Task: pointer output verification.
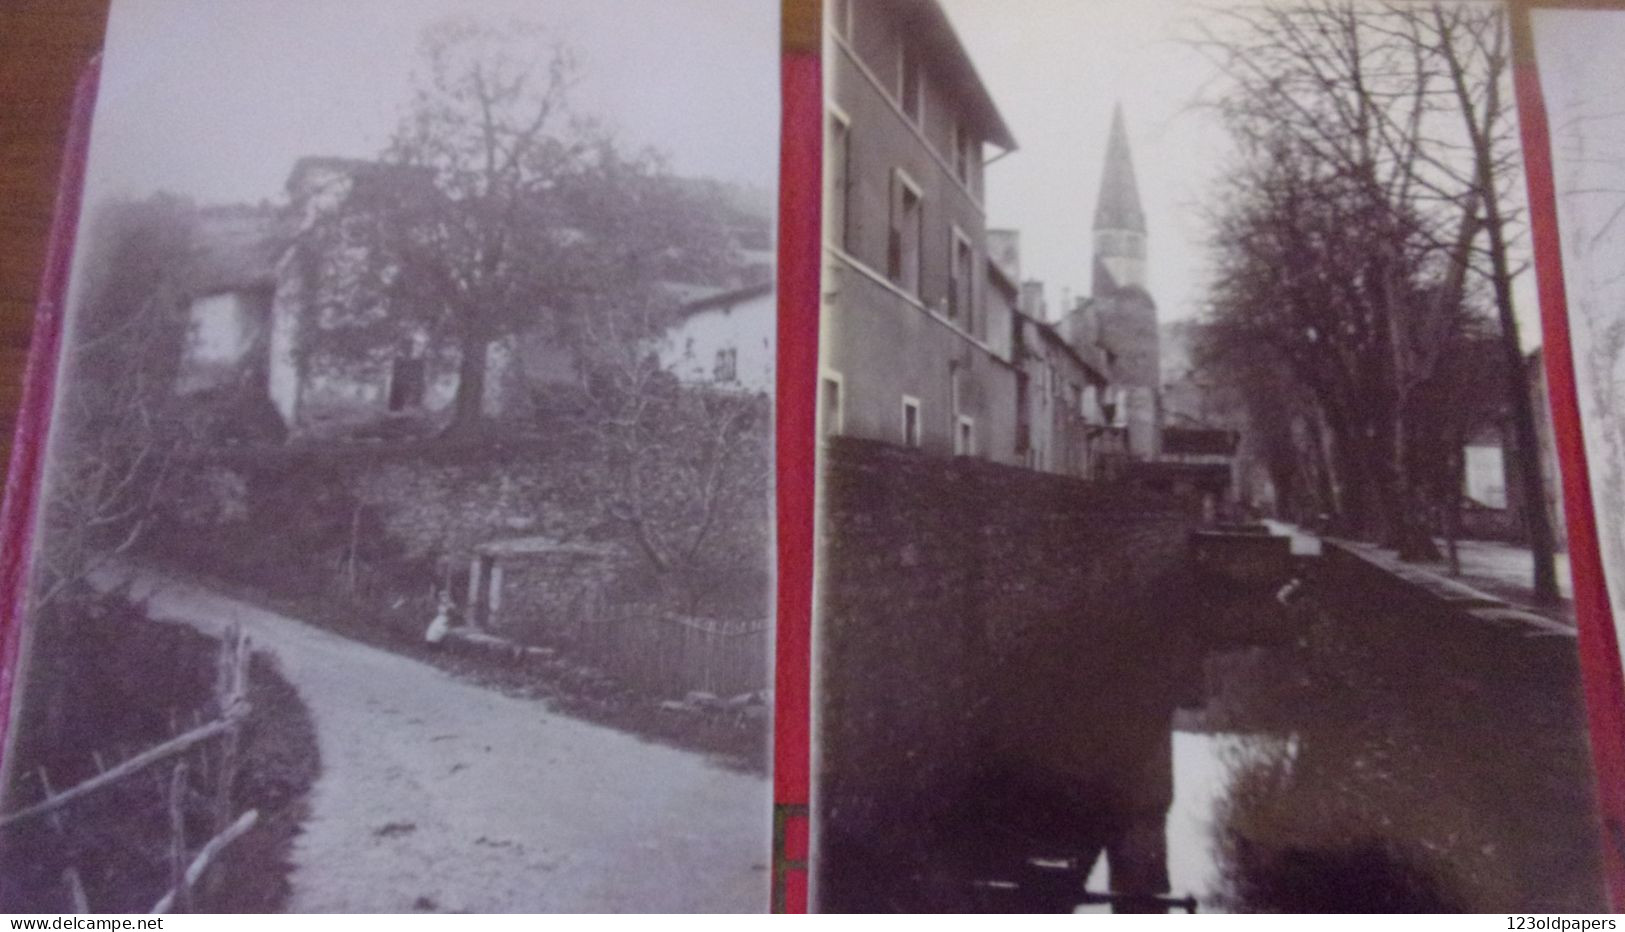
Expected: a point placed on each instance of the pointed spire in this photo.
(1118, 207)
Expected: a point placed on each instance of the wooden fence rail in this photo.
(231, 704)
(170, 748)
(205, 856)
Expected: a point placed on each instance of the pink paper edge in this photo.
(22, 498)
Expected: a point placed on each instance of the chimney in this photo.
(1032, 300)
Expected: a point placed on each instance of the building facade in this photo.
(727, 340)
(911, 353)
(930, 338)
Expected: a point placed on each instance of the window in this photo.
(907, 226)
(911, 421)
(407, 379)
(830, 411)
(965, 154)
(908, 93)
(839, 157)
(1024, 418)
(965, 437)
(726, 368)
(961, 283)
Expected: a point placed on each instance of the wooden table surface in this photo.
(44, 45)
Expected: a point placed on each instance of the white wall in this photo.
(221, 331)
(1485, 475)
(749, 328)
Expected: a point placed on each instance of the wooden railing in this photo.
(186, 872)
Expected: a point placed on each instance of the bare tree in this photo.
(1474, 161)
(495, 210)
(459, 236)
(118, 434)
(686, 469)
(1331, 248)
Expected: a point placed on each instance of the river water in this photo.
(1368, 757)
(1203, 766)
(1336, 753)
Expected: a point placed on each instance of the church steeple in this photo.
(1119, 220)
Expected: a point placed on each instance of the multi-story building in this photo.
(930, 337)
(1062, 390)
(913, 351)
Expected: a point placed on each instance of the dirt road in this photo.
(439, 795)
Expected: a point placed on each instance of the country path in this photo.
(435, 793)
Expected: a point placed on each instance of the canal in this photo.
(1258, 730)
(1348, 753)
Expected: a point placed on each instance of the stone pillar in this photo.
(473, 614)
(1138, 857)
(493, 602)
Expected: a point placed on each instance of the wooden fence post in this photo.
(231, 693)
(177, 839)
(77, 902)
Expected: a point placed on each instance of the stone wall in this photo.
(982, 626)
(543, 593)
(444, 508)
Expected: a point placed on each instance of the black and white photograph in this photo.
(1578, 56)
(405, 541)
(1190, 536)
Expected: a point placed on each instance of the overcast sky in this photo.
(1055, 68)
(216, 99)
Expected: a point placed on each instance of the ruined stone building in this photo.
(260, 309)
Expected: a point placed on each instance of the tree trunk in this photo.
(1526, 448)
(1453, 506)
(468, 408)
(1537, 523)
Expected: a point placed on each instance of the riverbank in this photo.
(1389, 756)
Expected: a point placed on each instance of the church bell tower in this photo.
(1126, 312)
(1119, 219)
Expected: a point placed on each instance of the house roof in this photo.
(1094, 367)
(371, 180)
(723, 299)
(237, 250)
(926, 20)
(1004, 255)
(534, 546)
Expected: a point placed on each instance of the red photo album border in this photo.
(1599, 651)
(800, 189)
(799, 269)
(21, 503)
